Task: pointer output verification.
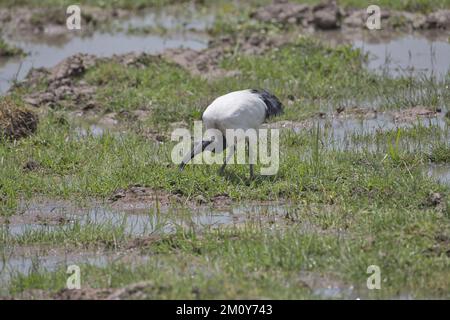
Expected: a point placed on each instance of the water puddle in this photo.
(345, 134)
(135, 221)
(327, 287)
(24, 265)
(174, 19)
(144, 222)
(412, 55)
(408, 56)
(440, 173)
(353, 132)
(53, 50)
(90, 130)
(39, 259)
(61, 216)
(335, 293)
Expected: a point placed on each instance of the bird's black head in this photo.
(274, 106)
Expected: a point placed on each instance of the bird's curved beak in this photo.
(196, 150)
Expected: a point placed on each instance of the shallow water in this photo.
(39, 260)
(341, 131)
(344, 133)
(440, 173)
(48, 51)
(409, 55)
(137, 221)
(416, 55)
(93, 129)
(25, 264)
(332, 292)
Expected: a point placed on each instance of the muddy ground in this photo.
(330, 201)
(16, 122)
(329, 15)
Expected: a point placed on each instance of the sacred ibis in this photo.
(244, 109)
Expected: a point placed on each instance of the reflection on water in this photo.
(48, 51)
(417, 54)
(136, 222)
(408, 56)
(440, 173)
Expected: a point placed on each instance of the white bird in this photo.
(244, 109)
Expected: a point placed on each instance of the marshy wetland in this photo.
(86, 176)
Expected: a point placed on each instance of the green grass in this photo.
(440, 153)
(408, 5)
(252, 262)
(350, 207)
(235, 18)
(72, 167)
(318, 77)
(169, 91)
(7, 50)
(116, 4)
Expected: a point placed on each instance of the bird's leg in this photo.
(250, 161)
(222, 168)
(231, 152)
(228, 156)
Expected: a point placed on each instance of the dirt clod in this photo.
(411, 114)
(434, 199)
(140, 290)
(205, 63)
(61, 82)
(83, 294)
(283, 12)
(16, 122)
(438, 20)
(63, 87)
(31, 165)
(328, 15)
(51, 21)
(72, 66)
(137, 196)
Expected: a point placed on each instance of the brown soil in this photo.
(328, 15)
(16, 122)
(51, 21)
(141, 197)
(62, 85)
(411, 114)
(206, 63)
(314, 281)
(407, 115)
(135, 291)
(40, 211)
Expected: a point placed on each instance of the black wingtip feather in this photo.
(273, 105)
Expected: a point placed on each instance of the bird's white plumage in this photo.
(245, 109)
(235, 110)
